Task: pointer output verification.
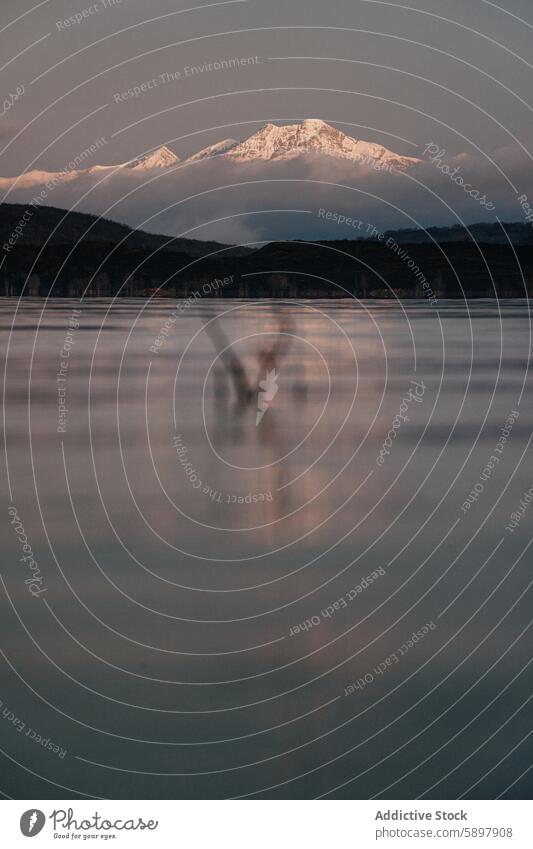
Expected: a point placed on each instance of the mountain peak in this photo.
(163, 157)
(310, 136)
(213, 150)
(316, 124)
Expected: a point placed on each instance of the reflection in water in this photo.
(210, 597)
(232, 421)
(268, 357)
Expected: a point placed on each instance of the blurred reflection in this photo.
(263, 362)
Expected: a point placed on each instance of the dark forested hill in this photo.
(61, 227)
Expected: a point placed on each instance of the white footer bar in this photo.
(266, 824)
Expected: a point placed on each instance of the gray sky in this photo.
(399, 76)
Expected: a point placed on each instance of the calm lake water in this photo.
(239, 515)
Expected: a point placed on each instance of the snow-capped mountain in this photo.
(311, 136)
(213, 150)
(271, 143)
(163, 157)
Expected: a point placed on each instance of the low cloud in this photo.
(259, 201)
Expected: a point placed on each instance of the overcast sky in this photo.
(399, 74)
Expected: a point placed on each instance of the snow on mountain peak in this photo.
(163, 157)
(213, 150)
(311, 136)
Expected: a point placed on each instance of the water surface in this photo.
(230, 581)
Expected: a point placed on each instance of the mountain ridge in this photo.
(313, 135)
(72, 228)
(271, 143)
